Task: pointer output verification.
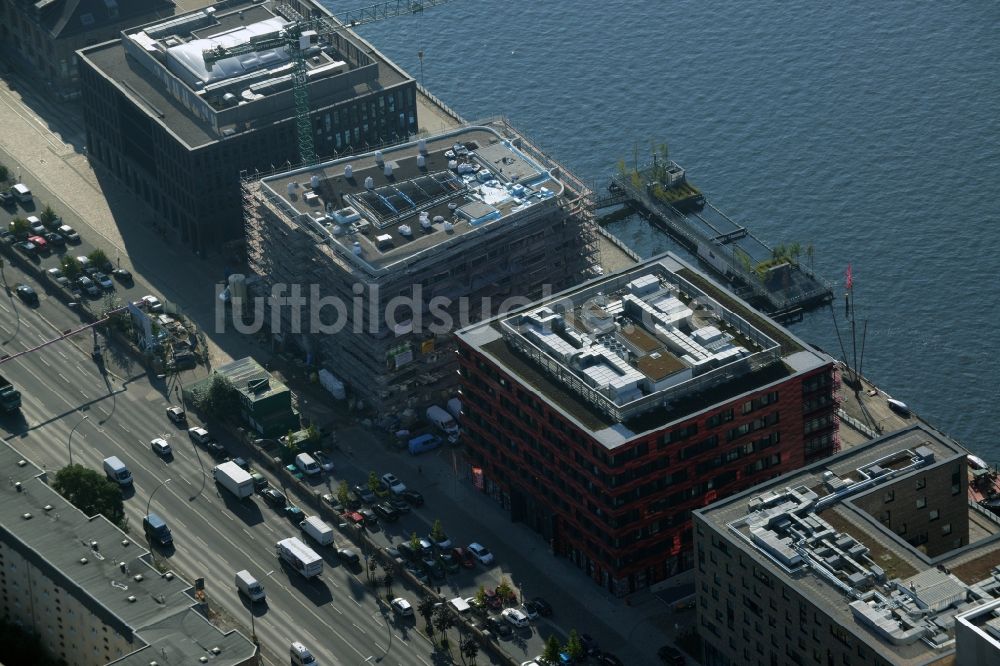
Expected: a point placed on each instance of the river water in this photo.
(870, 131)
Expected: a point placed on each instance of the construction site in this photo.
(412, 242)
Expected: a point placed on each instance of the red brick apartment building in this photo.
(604, 415)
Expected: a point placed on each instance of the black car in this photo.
(27, 247)
(54, 239)
(348, 556)
(608, 659)
(386, 512)
(400, 505)
(589, 644)
(241, 463)
(413, 497)
(371, 520)
(408, 552)
(7, 199)
(671, 656)
(542, 607)
(501, 629)
(122, 275)
(365, 493)
(217, 451)
(274, 497)
(26, 294)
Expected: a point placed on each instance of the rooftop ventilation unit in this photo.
(314, 181)
(388, 170)
(405, 230)
(421, 161)
(422, 146)
(348, 171)
(378, 157)
(356, 249)
(369, 183)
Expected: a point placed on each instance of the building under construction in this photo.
(407, 245)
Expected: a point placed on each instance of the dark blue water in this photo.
(871, 131)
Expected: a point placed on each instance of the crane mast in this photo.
(298, 36)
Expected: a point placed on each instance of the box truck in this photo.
(300, 557)
(248, 585)
(234, 478)
(320, 532)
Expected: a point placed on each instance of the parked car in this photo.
(27, 247)
(354, 518)
(501, 629)
(325, 462)
(365, 493)
(541, 606)
(529, 611)
(444, 543)
(671, 656)
(122, 275)
(106, 283)
(176, 414)
(514, 617)
(55, 239)
(36, 225)
(408, 552)
(608, 659)
(433, 568)
(294, 513)
(216, 450)
(54, 273)
(400, 505)
(413, 497)
(160, 447)
(371, 520)
(69, 234)
(384, 511)
(463, 557)
(331, 501)
(26, 294)
(451, 565)
(151, 303)
(481, 553)
(40, 243)
(7, 199)
(589, 644)
(391, 483)
(88, 286)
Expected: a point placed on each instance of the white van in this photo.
(248, 585)
(117, 471)
(307, 464)
(21, 193)
(301, 656)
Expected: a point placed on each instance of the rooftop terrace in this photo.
(632, 347)
(392, 205)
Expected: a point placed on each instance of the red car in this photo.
(463, 557)
(40, 243)
(354, 518)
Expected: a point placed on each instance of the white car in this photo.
(151, 303)
(515, 617)
(160, 446)
(481, 553)
(537, 661)
(402, 606)
(392, 484)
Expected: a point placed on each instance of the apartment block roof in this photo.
(172, 71)
(805, 528)
(629, 352)
(101, 566)
(66, 18)
(385, 207)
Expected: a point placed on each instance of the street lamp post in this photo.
(150, 500)
(69, 441)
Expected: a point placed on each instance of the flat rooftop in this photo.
(98, 564)
(174, 71)
(635, 350)
(389, 206)
(805, 528)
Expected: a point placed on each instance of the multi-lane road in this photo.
(118, 413)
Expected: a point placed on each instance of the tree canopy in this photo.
(91, 492)
(219, 399)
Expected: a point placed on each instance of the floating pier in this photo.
(771, 279)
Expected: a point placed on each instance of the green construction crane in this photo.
(294, 39)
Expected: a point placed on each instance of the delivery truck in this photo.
(319, 531)
(234, 478)
(10, 397)
(300, 557)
